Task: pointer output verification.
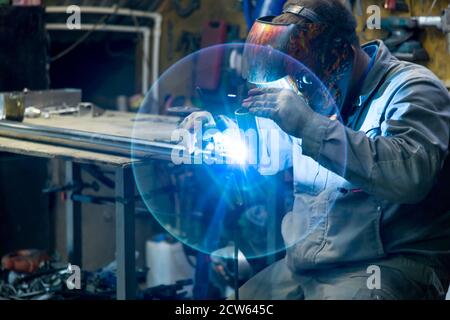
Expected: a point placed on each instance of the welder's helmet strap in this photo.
(303, 12)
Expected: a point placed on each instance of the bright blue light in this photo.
(229, 144)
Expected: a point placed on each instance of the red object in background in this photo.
(390, 5)
(27, 261)
(208, 69)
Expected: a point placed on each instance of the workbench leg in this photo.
(125, 241)
(74, 242)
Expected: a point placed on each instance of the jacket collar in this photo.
(381, 67)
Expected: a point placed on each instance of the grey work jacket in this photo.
(377, 188)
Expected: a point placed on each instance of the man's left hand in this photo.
(289, 110)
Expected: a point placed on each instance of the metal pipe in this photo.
(429, 22)
(145, 72)
(108, 10)
(123, 146)
(157, 31)
(101, 27)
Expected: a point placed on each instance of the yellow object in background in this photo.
(13, 106)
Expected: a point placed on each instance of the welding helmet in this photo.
(319, 47)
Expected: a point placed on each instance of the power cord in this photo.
(83, 37)
(432, 7)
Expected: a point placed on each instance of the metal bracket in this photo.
(84, 198)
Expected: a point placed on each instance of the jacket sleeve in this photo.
(402, 163)
(276, 148)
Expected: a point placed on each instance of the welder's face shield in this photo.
(258, 65)
(301, 45)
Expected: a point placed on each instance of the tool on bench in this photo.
(403, 39)
(440, 22)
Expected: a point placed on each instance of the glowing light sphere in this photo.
(207, 204)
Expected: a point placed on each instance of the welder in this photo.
(372, 202)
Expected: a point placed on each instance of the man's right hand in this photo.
(202, 118)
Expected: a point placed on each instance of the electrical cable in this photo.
(191, 262)
(83, 38)
(432, 7)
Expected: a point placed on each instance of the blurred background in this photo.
(112, 70)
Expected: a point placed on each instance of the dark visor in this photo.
(264, 41)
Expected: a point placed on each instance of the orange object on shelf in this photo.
(27, 261)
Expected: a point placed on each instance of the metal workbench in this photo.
(118, 124)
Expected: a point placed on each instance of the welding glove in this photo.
(203, 123)
(288, 109)
(204, 118)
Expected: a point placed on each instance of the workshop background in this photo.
(106, 67)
